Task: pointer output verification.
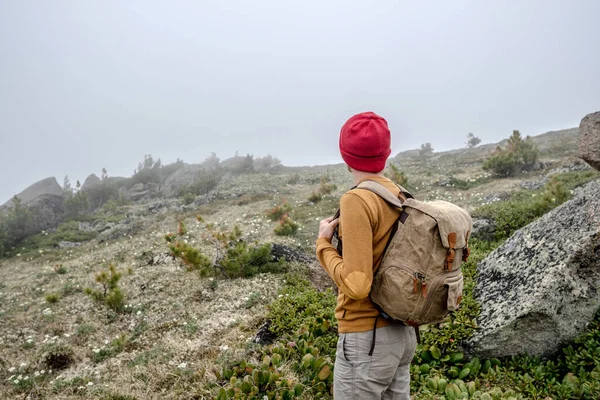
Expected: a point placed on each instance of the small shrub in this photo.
(519, 155)
(253, 299)
(286, 227)
(192, 258)
(115, 347)
(59, 269)
(325, 186)
(111, 295)
(52, 298)
(294, 179)
(188, 198)
(244, 261)
(235, 258)
(315, 197)
(277, 212)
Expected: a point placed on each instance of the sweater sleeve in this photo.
(353, 274)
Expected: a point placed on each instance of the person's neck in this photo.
(360, 175)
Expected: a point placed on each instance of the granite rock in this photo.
(539, 289)
(589, 139)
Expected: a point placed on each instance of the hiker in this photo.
(373, 353)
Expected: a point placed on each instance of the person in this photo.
(373, 354)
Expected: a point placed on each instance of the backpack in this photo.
(419, 280)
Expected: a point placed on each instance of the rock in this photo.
(156, 207)
(534, 185)
(444, 182)
(138, 187)
(264, 336)
(46, 186)
(85, 227)
(484, 229)
(160, 258)
(564, 169)
(135, 196)
(90, 181)
(539, 289)
(68, 245)
(494, 197)
(279, 251)
(589, 139)
(47, 212)
(182, 177)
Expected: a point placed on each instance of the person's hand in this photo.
(327, 226)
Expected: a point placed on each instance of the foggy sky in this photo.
(92, 84)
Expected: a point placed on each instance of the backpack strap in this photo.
(385, 193)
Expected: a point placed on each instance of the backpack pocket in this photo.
(445, 290)
(455, 289)
(395, 293)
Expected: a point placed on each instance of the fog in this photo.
(92, 84)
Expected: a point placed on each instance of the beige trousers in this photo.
(383, 375)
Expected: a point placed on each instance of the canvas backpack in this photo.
(419, 280)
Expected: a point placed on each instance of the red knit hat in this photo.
(365, 142)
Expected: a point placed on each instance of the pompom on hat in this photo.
(365, 142)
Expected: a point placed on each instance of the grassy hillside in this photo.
(172, 328)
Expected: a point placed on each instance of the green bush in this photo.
(52, 298)
(191, 257)
(277, 212)
(110, 295)
(315, 197)
(325, 186)
(294, 179)
(188, 198)
(235, 257)
(244, 261)
(286, 226)
(519, 155)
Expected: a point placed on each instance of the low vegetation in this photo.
(175, 315)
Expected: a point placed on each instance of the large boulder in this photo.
(47, 212)
(589, 139)
(45, 186)
(182, 177)
(91, 181)
(541, 287)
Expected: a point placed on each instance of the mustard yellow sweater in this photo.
(366, 221)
